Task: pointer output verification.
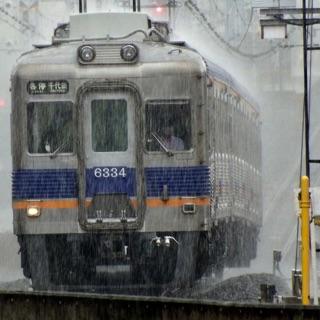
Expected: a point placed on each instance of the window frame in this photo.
(169, 102)
(26, 141)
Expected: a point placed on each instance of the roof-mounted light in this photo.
(129, 52)
(86, 53)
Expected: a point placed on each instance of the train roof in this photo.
(104, 25)
(107, 24)
(219, 73)
(222, 75)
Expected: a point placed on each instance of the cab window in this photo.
(109, 125)
(168, 125)
(50, 127)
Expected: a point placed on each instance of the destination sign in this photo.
(48, 87)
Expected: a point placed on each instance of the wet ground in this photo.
(244, 288)
(17, 285)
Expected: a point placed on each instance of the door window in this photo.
(109, 125)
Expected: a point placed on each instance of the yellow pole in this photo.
(305, 238)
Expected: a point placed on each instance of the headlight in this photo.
(86, 53)
(129, 52)
(33, 211)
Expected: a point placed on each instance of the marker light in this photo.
(33, 212)
(86, 53)
(159, 9)
(129, 52)
(167, 241)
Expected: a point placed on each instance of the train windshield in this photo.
(168, 126)
(109, 125)
(50, 127)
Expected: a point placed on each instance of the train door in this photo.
(110, 171)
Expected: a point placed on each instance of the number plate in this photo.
(110, 172)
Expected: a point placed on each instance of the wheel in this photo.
(185, 273)
(70, 262)
(161, 265)
(24, 257)
(202, 256)
(38, 261)
(218, 272)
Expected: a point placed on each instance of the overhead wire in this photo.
(216, 7)
(238, 10)
(36, 9)
(194, 9)
(247, 30)
(11, 24)
(17, 21)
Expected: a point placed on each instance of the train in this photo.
(131, 153)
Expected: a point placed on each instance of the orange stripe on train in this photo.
(173, 202)
(46, 204)
(74, 203)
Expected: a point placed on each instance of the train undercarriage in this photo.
(102, 259)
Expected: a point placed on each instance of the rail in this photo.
(72, 306)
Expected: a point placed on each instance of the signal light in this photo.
(159, 9)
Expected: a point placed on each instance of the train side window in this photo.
(50, 127)
(109, 125)
(168, 124)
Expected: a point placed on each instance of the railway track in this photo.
(77, 306)
(244, 288)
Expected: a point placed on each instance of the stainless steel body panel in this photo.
(181, 77)
(156, 75)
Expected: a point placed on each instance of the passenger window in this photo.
(50, 127)
(168, 125)
(109, 125)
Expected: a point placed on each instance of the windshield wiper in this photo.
(162, 145)
(55, 152)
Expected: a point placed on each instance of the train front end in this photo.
(109, 156)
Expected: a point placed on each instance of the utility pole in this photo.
(82, 6)
(306, 93)
(277, 19)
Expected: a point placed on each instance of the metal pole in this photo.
(314, 264)
(306, 104)
(305, 239)
(139, 5)
(173, 14)
(84, 5)
(134, 5)
(170, 13)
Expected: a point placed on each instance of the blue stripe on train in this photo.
(44, 184)
(181, 181)
(62, 183)
(109, 185)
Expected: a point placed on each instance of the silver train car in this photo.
(132, 153)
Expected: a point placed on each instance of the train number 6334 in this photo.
(110, 172)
